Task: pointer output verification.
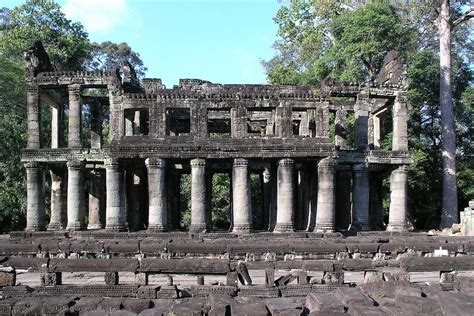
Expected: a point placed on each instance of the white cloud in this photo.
(96, 15)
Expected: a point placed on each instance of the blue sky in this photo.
(222, 41)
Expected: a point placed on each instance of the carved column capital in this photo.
(198, 162)
(155, 163)
(75, 164)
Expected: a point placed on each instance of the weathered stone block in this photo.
(141, 278)
(333, 278)
(51, 278)
(136, 305)
(373, 276)
(252, 309)
(417, 304)
(323, 303)
(110, 304)
(111, 278)
(167, 291)
(85, 304)
(353, 295)
(364, 310)
(147, 291)
(7, 278)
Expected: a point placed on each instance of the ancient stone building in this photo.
(313, 177)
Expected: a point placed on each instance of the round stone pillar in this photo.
(198, 196)
(326, 202)
(58, 199)
(397, 218)
(285, 196)
(75, 196)
(360, 198)
(75, 116)
(241, 197)
(157, 195)
(115, 212)
(35, 197)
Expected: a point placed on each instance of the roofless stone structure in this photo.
(310, 179)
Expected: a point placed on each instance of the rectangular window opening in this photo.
(261, 122)
(136, 122)
(178, 122)
(302, 122)
(218, 123)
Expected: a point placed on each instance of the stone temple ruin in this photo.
(310, 180)
(115, 245)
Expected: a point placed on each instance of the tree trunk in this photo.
(449, 211)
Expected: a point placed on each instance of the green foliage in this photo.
(12, 140)
(348, 41)
(108, 56)
(322, 38)
(65, 42)
(220, 201)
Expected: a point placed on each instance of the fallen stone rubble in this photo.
(302, 275)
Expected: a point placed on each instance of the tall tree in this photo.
(107, 56)
(449, 210)
(66, 42)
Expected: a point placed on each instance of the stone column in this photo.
(400, 137)
(157, 195)
(397, 220)
(35, 197)
(341, 131)
(267, 198)
(137, 129)
(96, 200)
(96, 125)
(285, 196)
(376, 131)
(75, 116)
(34, 117)
(199, 206)
(360, 198)
(57, 133)
(75, 196)
(58, 199)
(241, 197)
(326, 211)
(361, 110)
(116, 211)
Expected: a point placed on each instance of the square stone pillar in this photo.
(360, 198)
(34, 117)
(116, 211)
(157, 195)
(341, 129)
(285, 196)
(96, 125)
(57, 132)
(397, 220)
(199, 196)
(241, 197)
(238, 122)
(283, 126)
(326, 204)
(75, 116)
(400, 118)
(58, 199)
(376, 131)
(361, 109)
(322, 120)
(75, 196)
(96, 200)
(35, 217)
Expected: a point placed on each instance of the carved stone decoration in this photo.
(37, 60)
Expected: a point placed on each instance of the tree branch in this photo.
(466, 16)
